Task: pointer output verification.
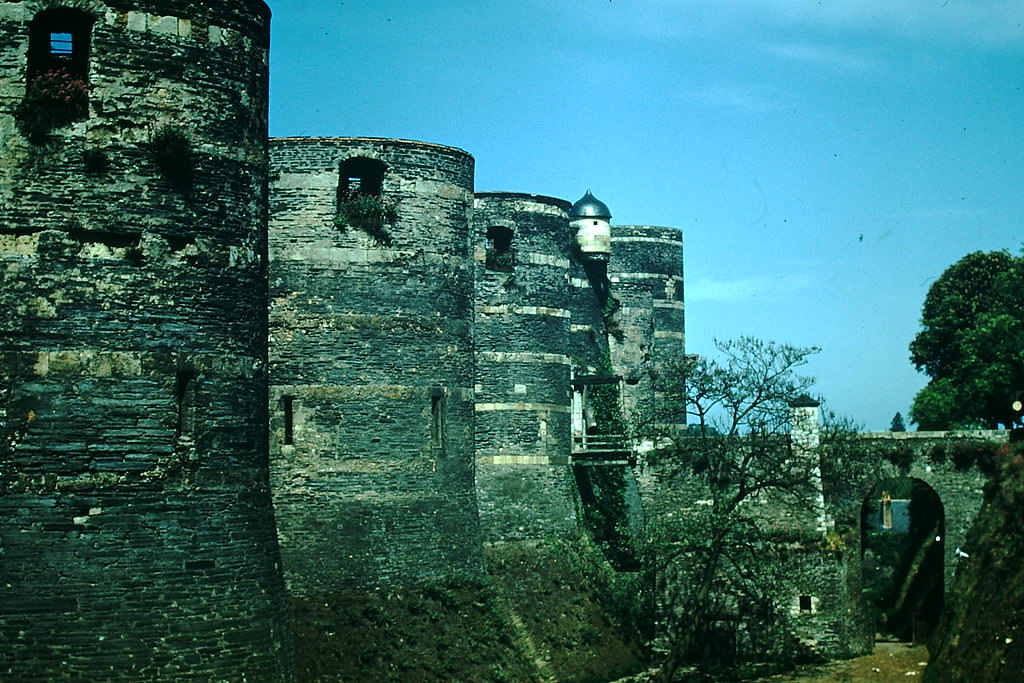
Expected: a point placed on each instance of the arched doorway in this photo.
(903, 531)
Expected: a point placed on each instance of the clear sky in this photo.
(826, 160)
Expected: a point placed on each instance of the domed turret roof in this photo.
(589, 207)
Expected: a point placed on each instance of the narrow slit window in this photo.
(288, 406)
(437, 421)
(185, 397)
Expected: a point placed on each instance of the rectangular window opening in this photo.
(805, 603)
(287, 404)
(61, 44)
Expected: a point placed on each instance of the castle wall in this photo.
(646, 276)
(371, 362)
(135, 520)
(523, 401)
(932, 458)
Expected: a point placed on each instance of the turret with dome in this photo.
(589, 217)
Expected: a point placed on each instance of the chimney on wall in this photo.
(803, 419)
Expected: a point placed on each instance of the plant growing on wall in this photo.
(95, 161)
(609, 309)
(171, 149)
(54, 98)
(499, 260)
(605, 401)
(368, 213)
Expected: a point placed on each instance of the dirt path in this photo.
(890, 662)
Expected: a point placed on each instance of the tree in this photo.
(897, 423)
(971, 344)
(737, 450)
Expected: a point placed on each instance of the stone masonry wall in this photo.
(646, 275)
(371, 356)
(929, 457)
(135, 522)
(824, 567)
(523, 401)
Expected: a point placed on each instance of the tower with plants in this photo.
(135, 522)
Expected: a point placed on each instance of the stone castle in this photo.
(233, 368)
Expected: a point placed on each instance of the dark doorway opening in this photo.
(903, 546)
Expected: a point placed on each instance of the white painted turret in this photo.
(589, 218)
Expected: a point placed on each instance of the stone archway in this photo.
(903, 538)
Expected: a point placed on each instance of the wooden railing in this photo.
(601, 449)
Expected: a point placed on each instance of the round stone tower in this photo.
(135, 523)
(371, 362)
(523, 435)
(645, 274)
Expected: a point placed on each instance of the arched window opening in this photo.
(360, 176)
(499, 248)
(57, 73)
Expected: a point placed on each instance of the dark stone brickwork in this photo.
(372, 369)
(136, 529)
(645, 270)
(413, 390)
(523, 400)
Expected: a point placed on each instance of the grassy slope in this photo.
(981, 637)
(545, 613)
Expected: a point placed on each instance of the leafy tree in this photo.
(971, 344)
(736, 450)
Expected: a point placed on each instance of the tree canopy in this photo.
(736, 450)
(971, 344)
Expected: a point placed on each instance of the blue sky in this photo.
(825, 160)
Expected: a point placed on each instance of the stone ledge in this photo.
(523, 460)
(523, 310)
(522, 357)
(521, 407)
